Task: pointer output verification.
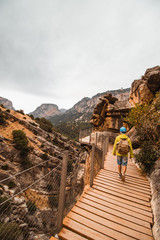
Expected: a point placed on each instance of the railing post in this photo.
(104, 148)
(62, 191)
(96, 139)
(92, 164)
(107, 144)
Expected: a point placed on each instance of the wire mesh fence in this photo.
(29, 200)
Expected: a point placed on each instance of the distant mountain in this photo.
(46, 110)
(7, 103)
(83, 110)
(63, 110)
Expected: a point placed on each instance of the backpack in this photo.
(123, 146)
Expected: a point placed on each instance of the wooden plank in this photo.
(113, 166)
(118, 208)
(124, 194)
(114, 218)
(127, 181)
(121, 200)
(128, 184)
(98, 227)
(112, 225)
(121, 204)
(123, 186)
(115, 212)
(130, 178)
(66, 234)
(83, 230)
(134, 173)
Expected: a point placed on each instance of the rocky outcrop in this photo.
(144, 89)
(108, 113)
(6, 103)
(46, 110)
(84, 108)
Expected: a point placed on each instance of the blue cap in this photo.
(123, 130)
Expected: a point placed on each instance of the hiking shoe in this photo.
(120, 175)
(123, 177)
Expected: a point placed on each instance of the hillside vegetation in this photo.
(146, 120)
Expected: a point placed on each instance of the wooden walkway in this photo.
(112, 209)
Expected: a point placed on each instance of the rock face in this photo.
(84, 108)
(46, 111)
(145, 88)
(108, 113)
(7, 103)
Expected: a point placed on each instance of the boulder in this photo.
(144, 89)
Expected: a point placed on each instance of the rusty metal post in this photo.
(92, 164)
(62, 191)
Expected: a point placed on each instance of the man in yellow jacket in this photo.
(122, 158)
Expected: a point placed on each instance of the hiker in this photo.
(122, 146)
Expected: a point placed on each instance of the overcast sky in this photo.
(59, 51)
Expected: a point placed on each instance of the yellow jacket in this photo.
(122, 136)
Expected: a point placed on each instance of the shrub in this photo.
(45, 124)
(31, 116)
(146, 157)
(11, 185)
(20, 140)
(2, 105)
(2, 118)
(6, 207)
(4, 167)
(31, 207)
(21, 143)
(9, 231)
(20, 111)
(45, 156)
(8, 110)
(146, 119)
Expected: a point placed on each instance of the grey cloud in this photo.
(59, 48)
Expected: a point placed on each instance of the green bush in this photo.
(4, 167)
(45, 156)
(31, 207)
(21, 143)
(146, 120)
(20, 111)
(11, 185)
(2, 118)
(9, 231)
(45, 124)
(20, 140)
(5, 207)
(146, 157)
